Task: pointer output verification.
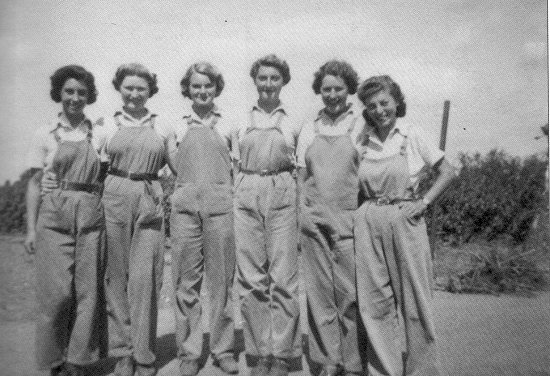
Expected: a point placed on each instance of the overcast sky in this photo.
(489, 58)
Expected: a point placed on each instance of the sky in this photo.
(489, 58)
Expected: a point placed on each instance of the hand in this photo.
(48, 182)
(29, 242)
(413, 209)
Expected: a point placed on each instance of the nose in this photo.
(332, 94)
(202, 90)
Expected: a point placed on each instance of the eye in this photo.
(83, 92)
(209, 86)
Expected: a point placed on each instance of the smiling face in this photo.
(74, 96)
(269, 82)
(334, 93)
(382, 109)
(202, 90)
(135, 92)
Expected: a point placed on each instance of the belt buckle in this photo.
(264, 172)
(63, 184)
(131, 175)
(380, 201)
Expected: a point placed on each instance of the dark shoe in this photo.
(145, 370)
(58, 371)
(279, 367)
(189, 367)
(228, 365)
(73, 370)
(124, 367)
(261, 368)
(332, 371)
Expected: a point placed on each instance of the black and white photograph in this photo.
(274, 188)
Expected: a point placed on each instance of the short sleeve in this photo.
(163, 128)
(38, 150)
(426, 146)
(305, 139)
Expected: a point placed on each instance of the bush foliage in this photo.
(494, 195)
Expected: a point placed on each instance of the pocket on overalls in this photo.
(284, 194)
(90, 213)
(246, 194)
(115, 208)
(218, 199)
(184, 198)
(54, 213)
(150, 206)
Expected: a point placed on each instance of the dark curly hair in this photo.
(135, 69)
(77, 72)
(375, 84)
(207, 69)
(274, 61)
(336, 68)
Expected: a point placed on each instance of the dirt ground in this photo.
(478, 334)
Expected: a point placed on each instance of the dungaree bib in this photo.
(70, 235)
(201, 225)
(134, 220)
(330, 193)
(265, 224)
(393, 271)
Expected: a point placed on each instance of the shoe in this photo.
(332, 371)
(73, 370)
(261, 368)
(189, 367)
(145, 370)
(124, 367)
(279, 367)
(228, 365)
(58, 370)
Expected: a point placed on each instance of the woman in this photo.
(134, 143)
(201, 223)
(265, 224)
(66, 229)
(394, 266)
(328, 186)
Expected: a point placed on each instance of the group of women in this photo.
(247, 192)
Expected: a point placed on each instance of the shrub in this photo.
(494, 195)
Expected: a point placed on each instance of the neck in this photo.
(202, 111)
(334, 115)
(75, 119)
(136, 113)
(383, 132)
(269, 105)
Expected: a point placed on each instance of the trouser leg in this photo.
(219, 264)
(54, 278)
(253, 280)
(187, 277)
(378, 291)
(324, 334)
(345, 294)
(281, 244)
(144, 283)
(119, 237)
(413, 260)
(85, 336)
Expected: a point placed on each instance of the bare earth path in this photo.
(478, 334)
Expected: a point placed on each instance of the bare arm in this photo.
(171, 151)
(33, 203)
(446, 174)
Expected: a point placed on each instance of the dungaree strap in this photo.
(351, 125)
(403, 148)
(89, 132)
(56, 135)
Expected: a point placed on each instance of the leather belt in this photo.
(83, 187)
(380, 201)
(266, 172)
(133, 175)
